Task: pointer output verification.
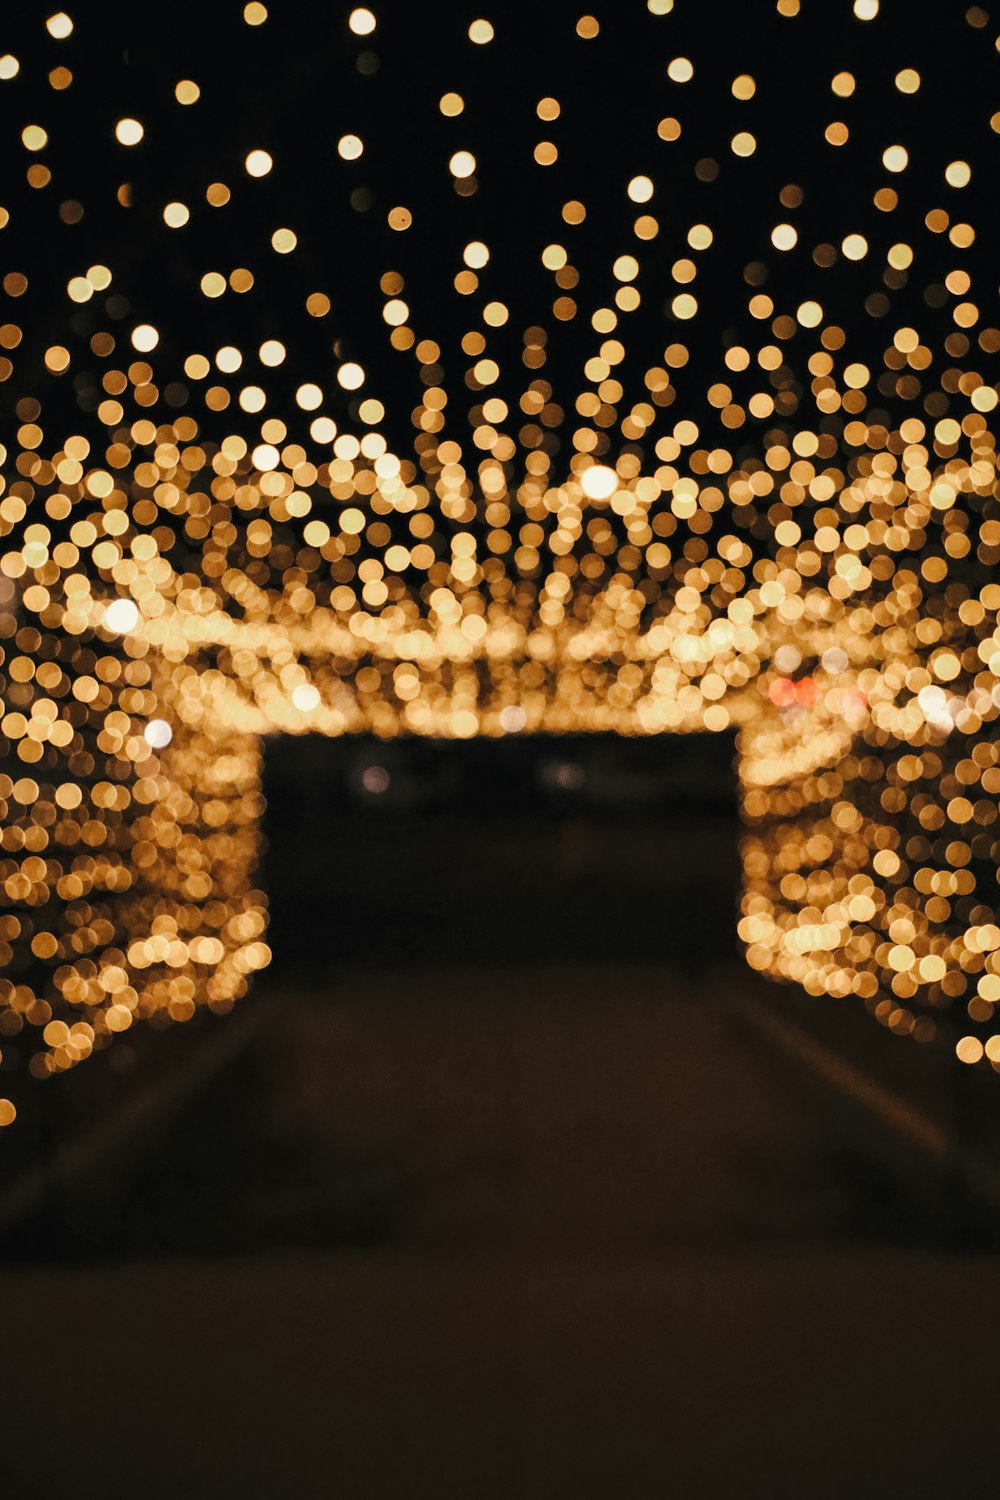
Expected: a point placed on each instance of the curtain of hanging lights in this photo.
(421, 373)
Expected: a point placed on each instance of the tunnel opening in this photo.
(519, 849)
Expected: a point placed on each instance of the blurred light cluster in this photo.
(680, 427)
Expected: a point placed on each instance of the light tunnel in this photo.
(676, 421)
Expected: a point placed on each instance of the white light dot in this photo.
(351, 377)
(121, 616)
(512, 719)
(599, 482)
(787, 658)
(259, 163)
(145, 337)
(305, 697)
(158, 734)
(129, 132)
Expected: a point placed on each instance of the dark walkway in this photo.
(505, 1198)
(604, 1243)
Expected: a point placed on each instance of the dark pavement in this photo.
(497, 1190)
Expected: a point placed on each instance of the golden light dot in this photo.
(176, 215)
(744, 86)
(969, 1049)
(284, 241)
(866, 10)
(129, 132)
(640, 189)
(854, 246)
(255, 14)
(958, 174)
(361, 21)
(784, 236)
(8, 1114)
(350, 147)
(60, 25)
(680, 70)
(451, 105)
(744, 144)
(908, 80)
(34, 138)
(9, 66)
(895, 158)
(309, 397)
(259, 163)
(187, 92)
(462, 164)
(481, 32)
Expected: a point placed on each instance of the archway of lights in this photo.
(432, 373)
